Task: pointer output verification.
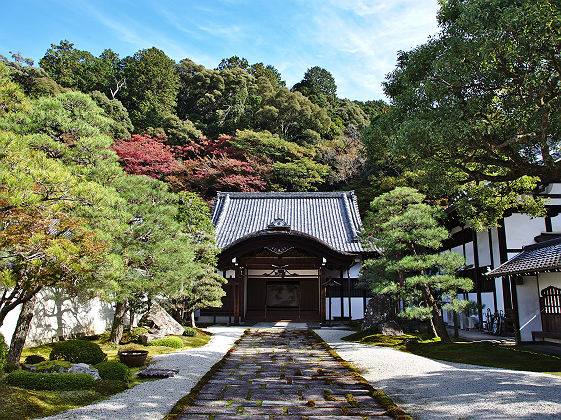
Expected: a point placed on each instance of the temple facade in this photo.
(288, 256)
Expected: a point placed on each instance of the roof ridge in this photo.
(286, 194)
(543, 244)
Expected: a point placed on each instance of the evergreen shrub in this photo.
(78, 351)
(134, 335)
(174, 342)
(33, 359)
(109, 386)
(113, 371)
(49, 381)
(190, 332)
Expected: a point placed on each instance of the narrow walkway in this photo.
(154, 399)
(284, 373)
(433, 390)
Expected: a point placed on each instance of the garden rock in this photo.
(157, 318)
(145, 338)
(157, 373)
(377, 311)
(391, 328)
(84, 368)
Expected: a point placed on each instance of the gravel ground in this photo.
(430, 389)
(154, 399)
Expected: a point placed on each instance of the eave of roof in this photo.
(535, 258)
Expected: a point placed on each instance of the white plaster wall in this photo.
(57, 315)
(553, 188)
(500, 297)
(483, 248)
(458, 250)
(528, 302)
(521, 229)
(496, 251)
(556, 223)
(469, 253)
(357, 309)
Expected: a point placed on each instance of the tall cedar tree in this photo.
(405, 230)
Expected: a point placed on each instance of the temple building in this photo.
(288, 256)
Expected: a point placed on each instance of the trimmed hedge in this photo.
(114, 371)
(49, 381)
(190, 332)
(77, 351)
(3, 352)
(109, 386)
(174, 342)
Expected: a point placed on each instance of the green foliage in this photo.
(405, 230)
(33, 359)
(120, 123)
(3, 352)
(152, 87)
(319, 85)
(52, 365)
(49, 381)
(115, 371)
(190, 332)
(77, 351)
(12, 98)
(134, 335)
(109, 386)
(299, 175)
(478, 103)
(173, 342)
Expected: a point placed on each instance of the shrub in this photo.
(77, 351)
(109, 386)
(33, 359)
(134, 335)
(174, 342)
(10, 367)
(49, 381)
(190, 332)
(3, 352)
(52, 366)
(113, 371)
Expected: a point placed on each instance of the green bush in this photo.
(10, 367)
(190, 332)
(33, 359)
(3, 352)
(174, 342)
(77, 351)
(134, 335)
(49, 381)
(109, 386)
(114, 371)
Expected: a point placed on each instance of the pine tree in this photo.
(406, 232)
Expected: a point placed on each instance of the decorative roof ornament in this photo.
(278, 224)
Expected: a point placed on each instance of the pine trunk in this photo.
(118, 322)
(436, 317)
(20, 333)
(456, 326)
(192, 316)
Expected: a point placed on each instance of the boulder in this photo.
(145, 338)
(390, 328)
(84, 368)
(377, 311)
(156, 318)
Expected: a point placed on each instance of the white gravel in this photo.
(154, 399)
(430, 389)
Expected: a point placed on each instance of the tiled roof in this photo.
(544, 256)
(331, 217)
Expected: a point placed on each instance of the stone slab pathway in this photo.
(282, 373)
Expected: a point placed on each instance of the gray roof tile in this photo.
(329, 216)
(536, 258)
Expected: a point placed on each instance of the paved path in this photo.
(154, 399)
(282, 373)
(431, 389)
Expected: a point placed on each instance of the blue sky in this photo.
(356, 40)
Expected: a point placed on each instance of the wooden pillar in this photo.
(363, 302)
(236, 287)
(322, 287)
(349, 292)
(342, 292)
(504, 257)
(492, 260)
(477, 279)
(515, 310)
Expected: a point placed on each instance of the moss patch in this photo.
(476, 353)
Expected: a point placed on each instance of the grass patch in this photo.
(18, 403)
(112, 349)
(475, 353)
